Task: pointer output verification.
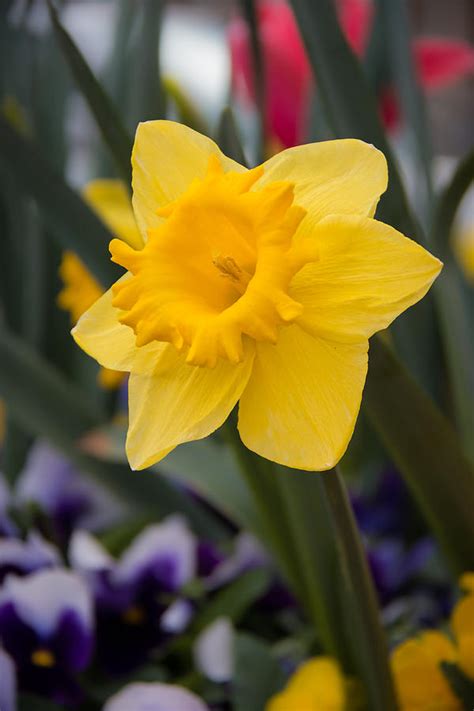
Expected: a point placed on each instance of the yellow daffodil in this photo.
(318, 685)
(416, 664)
(109, 199)
(464, 249)
(258, 285)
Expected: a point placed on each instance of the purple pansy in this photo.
(46, 626)
(133, 592)
(70, 500)
(24, 557)
(154, 697)
(7, 683)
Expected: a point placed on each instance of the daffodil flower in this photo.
(261, 286)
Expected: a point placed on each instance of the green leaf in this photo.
(301, 532)
(72, 223)
(234, 600)
(228, 136)
(257, 674)
(104, 112)
(426, 450)
(455, 304)
(145, 96)
(45, 404)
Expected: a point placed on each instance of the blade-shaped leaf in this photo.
(104, 112)
(145, 100)
(228, 136)
(72, 223)
(426, 450)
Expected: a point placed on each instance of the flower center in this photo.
(43, 658)
(216, 271)
(134, 615)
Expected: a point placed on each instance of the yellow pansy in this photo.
(318, 685)
(416, 664)
(462, 625)
(109, 199)
(258, 285)
(419, 679)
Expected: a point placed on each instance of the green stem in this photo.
(365, 620)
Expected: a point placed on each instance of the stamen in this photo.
(43, 658)
(229, 269)
(133, 615)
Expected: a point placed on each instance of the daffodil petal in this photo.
(332, 177)
(302, 400)
(166, 158)
(177, 402)
(110, 200)
(99, 333)
(365, 275)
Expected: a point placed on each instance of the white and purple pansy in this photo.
(132, 593)
(154, 697)
(24, 557)
(69, 499)
(47, 628)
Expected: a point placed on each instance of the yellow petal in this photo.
(464, 250)
(462, 623)
(110, 200)
(166, 158)
(365, 275)
(419, 680)
(344, 177)
(177, 402)
(302, 400)
(99, 333)
(317, 685)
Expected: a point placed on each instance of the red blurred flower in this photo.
(288, 78)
